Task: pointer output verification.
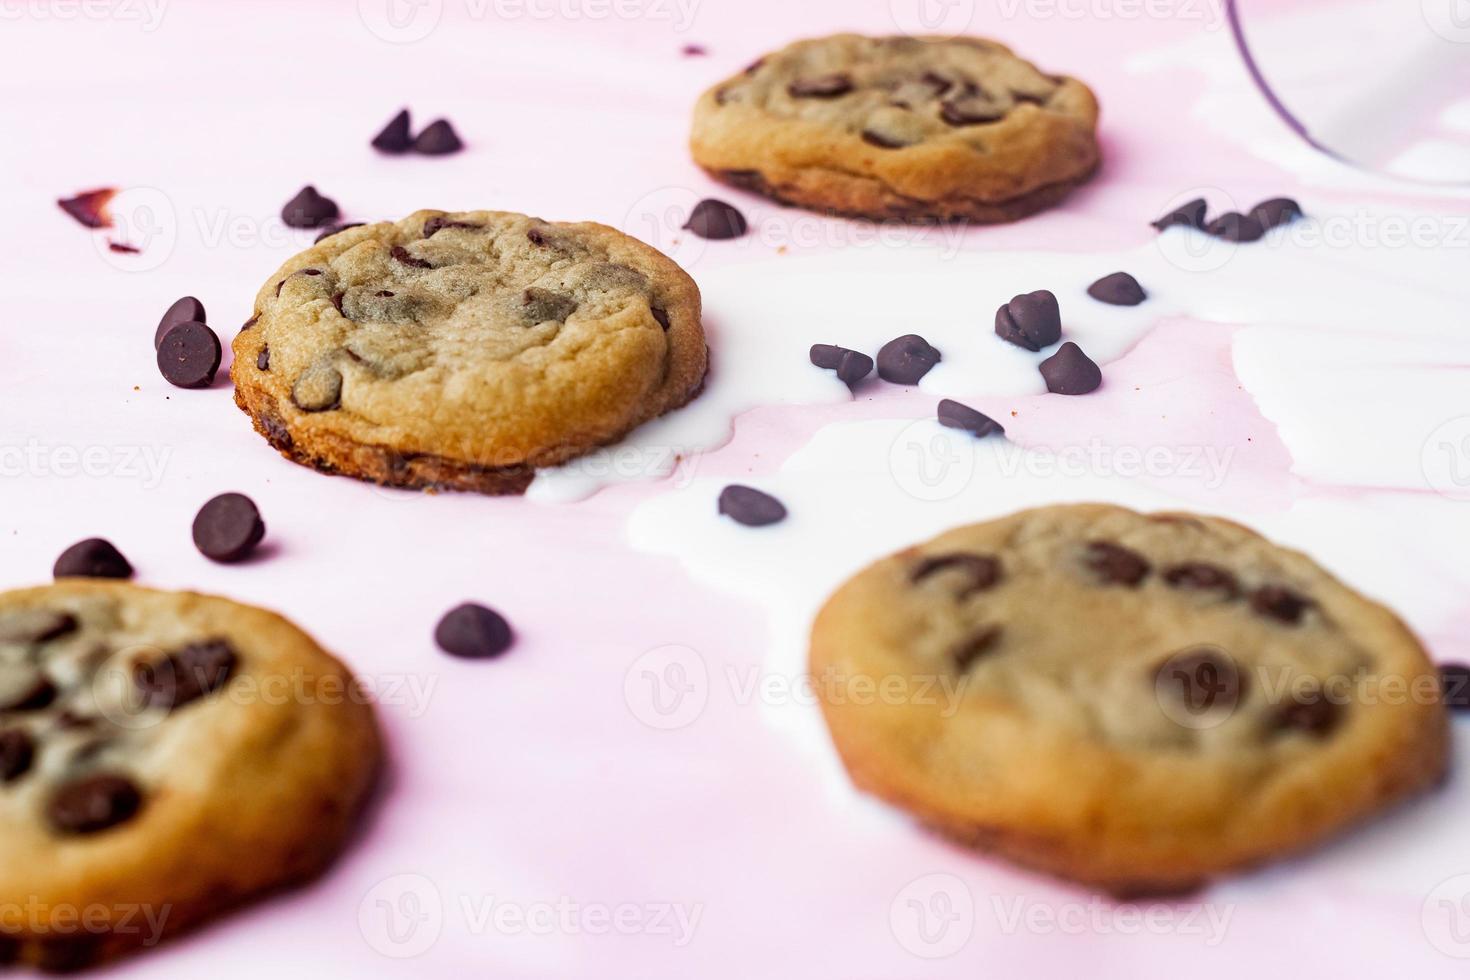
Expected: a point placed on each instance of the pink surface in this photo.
(533, 780)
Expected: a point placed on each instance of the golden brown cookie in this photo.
(164, 756)
(465, 350)
(1137, 702)
(900, 128)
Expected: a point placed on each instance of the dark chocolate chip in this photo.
(1279, 603)
(975, 646)
(1276, 211)
(473, 631)
(439, 223)
(308, 209)
(437, 139)
(820, 87)
(335, 229)
(970, 111)
(540, 305)
(882, 141)
(1203, 679)
(661, 315)
(1201, 576)
(90, 207)
(394, 137)
(403, 255)
(1232, 226)
(263, 359)
(536, 236)
(904, 360)
(1115, 564)
(1309, 712)
(34, 692)
(1117, 289)
(123, 248)
(749, 506)
(189, 355)
(228, 527)
(35, 626)
(956, 415)
(1070, 372)
(851, 366)
(715, 219)
(337, 302)
(1030, 320)
(1454, 681)
(17, 752)
(93, 803)
(92, 558)
(182, 311)
(693, 51)
(937, 82)
(983, 571)
(385, 293)
(250, 323)
(1190, 214)
(186, 675)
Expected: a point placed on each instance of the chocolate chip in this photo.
(1204, 678)
(228, 527)
(1309, 712)
(882, 140)
(661, 315)
(749, 506)
(536, 236)
(715, 219)
(970, 111)
(92, 558)
(403, 255)
(1279, 603)
(1454, 681)
(182, 311)
(336, 229)
(35, 625)
(189, 355)
(17, 752)
(1070, 372)
(186, 675)
(90, 207)
(308, 209)
(937, 82)
(263, 359)
(851, 366)
(70, 955)
(1201, 576)
(1190, 214)
(93, 803)
(1276, 211)
(25, 688)
(983, 571)
(318, 389)
(250, 323)
(1030, 320)
(693, 51)
(437, 139)
(1117, 289)
(955, 415)
(1232, 226)
(439, 223)
(540, 305)
(1115, 564)
(473, 631)
(337, 302)
(820, 87)
(123, 248)
(904, 360)
(975, 646)
(394, 137)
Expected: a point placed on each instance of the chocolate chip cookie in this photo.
(1137, 702)
(164, 756)
(900, 128)
(465, 350)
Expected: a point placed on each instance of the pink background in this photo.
(530, 779)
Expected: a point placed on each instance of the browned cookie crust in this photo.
(1137, 702)
(900, 128)
(164, 756)
(462, 351)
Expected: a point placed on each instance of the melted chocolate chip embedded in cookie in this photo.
(715, 219)
(1030, 320)
(660, 315)
(35, 625)
(182, 311)
(228, 527)
(1190, 214)
(980, 643)
(851, 366)
(263, 359)
(1203, 679)
(904, 360)
(1309, 712)
(24, 688)
(189, 355)
(309, 209)
(749, 506)
(318, 389)
(404, 256)
(396, 136)
(1070, 372)
(982, 572)
(820, 87)
(17, 752)
(1279, 603)
(92, 558)
(186, 675)
(1199, 576)
(473, 631)
(336, 229)
(1115, 564)
(541, 305)
(94, 803)
(439, 223)
(956, 415)
(971, 110)
(1117, 289)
